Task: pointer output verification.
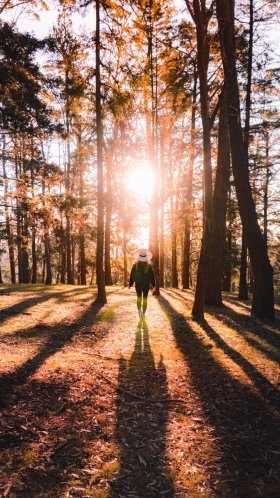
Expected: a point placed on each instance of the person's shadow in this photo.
(141, 425)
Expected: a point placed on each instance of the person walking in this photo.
(143, 276)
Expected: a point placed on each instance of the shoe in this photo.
(140, 313)
(143, 315)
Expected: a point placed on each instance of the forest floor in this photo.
(95, 403)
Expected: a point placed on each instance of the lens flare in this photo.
(140, 180)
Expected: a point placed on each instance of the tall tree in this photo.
(214, 281)
(101, 291)
(201, 15)
(262, 305)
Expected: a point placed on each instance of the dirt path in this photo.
(95, 403)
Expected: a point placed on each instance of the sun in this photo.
(140, 180)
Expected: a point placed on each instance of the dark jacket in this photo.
(140, 277)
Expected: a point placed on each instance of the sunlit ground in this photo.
(94, 403)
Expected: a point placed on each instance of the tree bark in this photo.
(10, 238)
(34, 255)
(262, 305)
(243, 286)
(63, 257)
(162, 194)
(214, 282)
(152, 141)
(33, 236)
(101, 292)
(189, 191)
(108, 220)
(174, 271)
(201, 16)
(265, 193)
(47, 280)
(82, 255)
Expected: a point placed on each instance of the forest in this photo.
(130, 125)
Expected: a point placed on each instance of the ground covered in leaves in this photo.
(95, 403)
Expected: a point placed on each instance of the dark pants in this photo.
(142, 297)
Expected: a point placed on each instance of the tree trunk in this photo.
(265, 193)
(152, 142)
(162, 194)
(125, 273)
(174, 272)
(18, 223)
(243, 286)
(201, 16)
(48, 280)
(101, 292)
(63, 257)
(33, 236)
(228, 265)
(10, 238)
(214, 282)
(47, 255)
(82, 256)
(24, 232)
(68, 245)
(34, 255)
(43, 269)
(189, 190)
(25, 256)
(262, 306)
(108, 220)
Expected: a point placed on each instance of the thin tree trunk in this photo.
(33, 238)
(25, 256)
(108, 220)
(174, 272)
(48, 280)
(243, 286)
(63, 257)
(227, 263)
(24, 233)
(265, 194)
(34, 255)
(101, 292)
(162, 195)
(214, 282)
(262, 306)
(189, 191)
(152, 142)
(47, 254)
(43, 269)
(10, 238)
(82, 255)
(68, 245)
(125, 272)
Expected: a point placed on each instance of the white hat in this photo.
(144, 255)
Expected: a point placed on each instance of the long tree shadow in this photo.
(244, 324)
(25, 304)
(49, 435)
(58, 336)
(141, 427)
(49, 431)
(267, 389)
(245, 428)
